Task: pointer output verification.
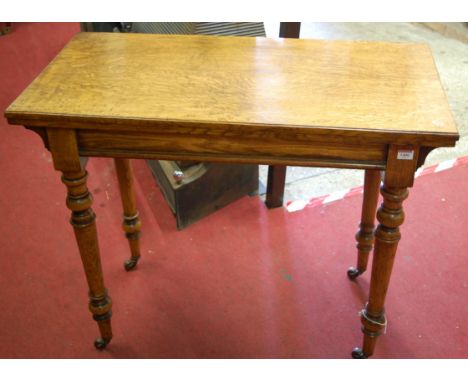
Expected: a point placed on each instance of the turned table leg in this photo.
(399, 175)
(79, 201)
(131, 221)
(387, 235)
(365, 235)
(66, 159)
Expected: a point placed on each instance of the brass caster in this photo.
(353, 273)
(100, 343)
(130, 263)
(357, 353)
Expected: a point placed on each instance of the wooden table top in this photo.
(374, 87)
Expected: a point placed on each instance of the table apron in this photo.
(232, 149)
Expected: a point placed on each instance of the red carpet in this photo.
(245, 282)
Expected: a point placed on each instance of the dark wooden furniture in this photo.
(366, 105)
(5, 28)
(277, 174)
(196, 189)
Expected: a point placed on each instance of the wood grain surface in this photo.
(345, 104)
(137, 78)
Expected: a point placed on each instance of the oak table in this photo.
(361, 105)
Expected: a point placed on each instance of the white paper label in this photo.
(405, 154)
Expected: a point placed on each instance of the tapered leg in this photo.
(131, 221)
(79, 201)
(390, 216)
(365, 235)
